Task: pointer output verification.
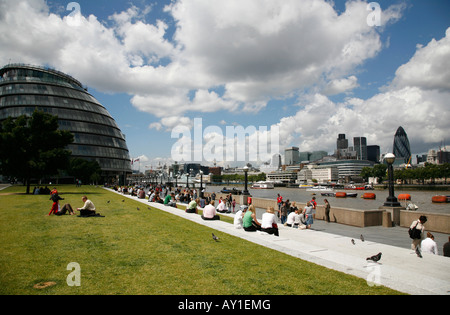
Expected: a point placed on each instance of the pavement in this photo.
(330, 245)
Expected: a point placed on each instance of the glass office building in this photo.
(24, 88)
(401, 148)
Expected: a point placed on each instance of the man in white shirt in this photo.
(88, 209)
(428, 245)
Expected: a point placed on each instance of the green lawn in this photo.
(143, 252)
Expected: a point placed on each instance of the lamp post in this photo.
(187, 180)
(245, 192)
(201, 184)
(391, 200)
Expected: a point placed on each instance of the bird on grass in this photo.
(374, 258)
(418, 253)
(108, 201)
(123, 200)
(362, 238)
(215, 237)
(138, 209)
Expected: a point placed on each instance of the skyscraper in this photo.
(292, 156)
(341, 142)
(360, 146)
(401, 149)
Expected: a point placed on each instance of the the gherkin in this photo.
(401, 149)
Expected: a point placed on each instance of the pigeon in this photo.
(138, 209)
(418, 253)
(215, 237)
(108, 201)
(353, 241)
(123, 200)
(362, 238)
(375, 258)
(149, 208)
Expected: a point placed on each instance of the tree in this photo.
(379, 171)
(86, 171)
(366, 172)
(33, 147)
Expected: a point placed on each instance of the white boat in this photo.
(305, 186)
(321, 189)
(263, 185)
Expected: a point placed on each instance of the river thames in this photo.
(418, 197)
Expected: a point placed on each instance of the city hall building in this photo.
(24, 88)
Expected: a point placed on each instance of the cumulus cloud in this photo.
(429, 67)
(253, 51)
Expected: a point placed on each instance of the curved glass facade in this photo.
(401, 149)
(23, 88)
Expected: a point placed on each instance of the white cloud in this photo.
(255, 51)
(341, 85)
(429, 68)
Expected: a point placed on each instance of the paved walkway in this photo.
(399, 267)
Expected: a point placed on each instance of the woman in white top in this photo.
(269, 222)
(428, 245)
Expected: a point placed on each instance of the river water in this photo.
(420, 198)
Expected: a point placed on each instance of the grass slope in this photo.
(143, 252)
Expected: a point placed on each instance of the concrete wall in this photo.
(435, 222)
(362, 218)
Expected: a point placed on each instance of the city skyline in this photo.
(312, 69)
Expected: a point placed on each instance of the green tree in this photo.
(86, 171)
(366, 172)
(32, 147)
(379, 171)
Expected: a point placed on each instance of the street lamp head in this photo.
(246, 168)
(389, 158)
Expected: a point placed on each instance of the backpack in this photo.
(414, 233)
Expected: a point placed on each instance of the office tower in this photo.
(401, 148)
(360, 146)
(373, 153)
(341, 142)
(292, 156)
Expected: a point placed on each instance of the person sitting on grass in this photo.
(56, 210)
(170, 200)
(209, 212)
(192, 207)
(88, 209)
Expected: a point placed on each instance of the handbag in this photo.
(414, 233)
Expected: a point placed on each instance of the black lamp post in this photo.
(245, 192)
(391, 200)
(201, 184)
(187, 180)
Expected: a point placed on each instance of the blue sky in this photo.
(313, 69)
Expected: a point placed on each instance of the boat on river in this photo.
(321, 189)
(263, 185)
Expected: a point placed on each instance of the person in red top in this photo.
(55, 206)
(313, 202)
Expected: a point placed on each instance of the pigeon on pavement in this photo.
(362, 238)
(375, 258)
(353, 241)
